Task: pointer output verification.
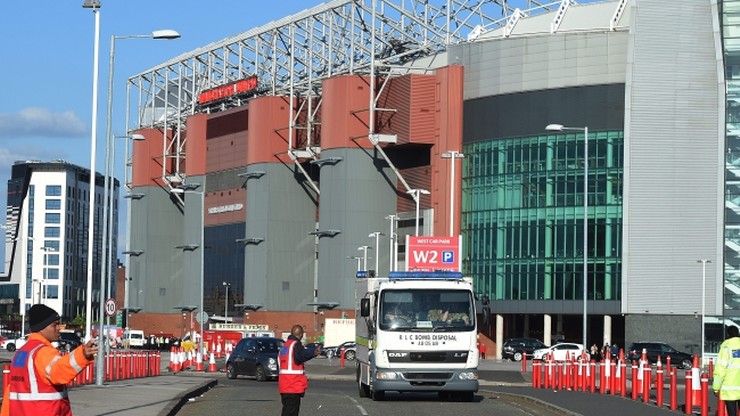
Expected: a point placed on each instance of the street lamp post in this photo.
(452, 155)
(106, 258)
(392, 242)
(364, 256)
(359, 261)
(226, 300)
(377, 235)
(560, 127)
(703, 302)
(95, 6)
(416, 194)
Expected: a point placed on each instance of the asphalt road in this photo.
(247, 396)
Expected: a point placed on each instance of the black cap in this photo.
(40, 316)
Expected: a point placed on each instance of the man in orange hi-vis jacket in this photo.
(39, 373)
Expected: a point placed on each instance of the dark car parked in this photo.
(655, 349)
(256, 357)
(516, 348)
(68, 341)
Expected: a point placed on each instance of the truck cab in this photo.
(416, 331)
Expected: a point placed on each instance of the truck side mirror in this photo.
(365, 307)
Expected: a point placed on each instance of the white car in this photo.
(560, 352)
(13, 343)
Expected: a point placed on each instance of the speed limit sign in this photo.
(110, 307)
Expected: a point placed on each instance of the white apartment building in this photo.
(46, 238)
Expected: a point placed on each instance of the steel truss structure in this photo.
(292, 56)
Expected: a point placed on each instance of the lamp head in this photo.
(165, 34)
(554, 127)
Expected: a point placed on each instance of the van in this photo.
(133, 338)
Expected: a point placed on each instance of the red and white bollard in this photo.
(659, 383)
(673, 389)
(704, 395)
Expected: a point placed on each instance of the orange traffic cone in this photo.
(175, 365)
(218, 350)
(212, 364)
(198, 362)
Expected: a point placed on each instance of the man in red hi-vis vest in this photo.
(39, 373)
(292, 380)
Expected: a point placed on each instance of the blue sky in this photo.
(47, 66)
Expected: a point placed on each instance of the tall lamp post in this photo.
(364, 256)
(106, 261)
(416, 194)
(560, 127)
(226, 301)
(392, 242)
(377, 235)
(703, 301)
(95, 6)
(452, 155)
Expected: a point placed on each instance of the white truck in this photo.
(416, 331)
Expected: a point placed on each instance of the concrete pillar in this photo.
(499, 335)
(607, 330)
(525, 331)
(547, 329)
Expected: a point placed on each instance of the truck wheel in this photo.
(11, 347)
(363, 390)
(377, 395)
(465, 396)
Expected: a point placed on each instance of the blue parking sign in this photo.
(448, 256)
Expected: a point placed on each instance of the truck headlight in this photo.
(468, 375)
(386, 375)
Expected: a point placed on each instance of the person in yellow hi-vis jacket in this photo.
(726, 383)
(39, 373)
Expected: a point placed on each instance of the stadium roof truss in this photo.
(292, 56)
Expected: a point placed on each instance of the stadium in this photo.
(277, 163)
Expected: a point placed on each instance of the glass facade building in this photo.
(523, 216)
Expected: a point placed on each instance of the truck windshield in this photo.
(426, 310)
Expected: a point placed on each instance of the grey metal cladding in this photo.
(674, 162)
(561, 60)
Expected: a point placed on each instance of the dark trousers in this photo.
(732, 407)
(291, 404)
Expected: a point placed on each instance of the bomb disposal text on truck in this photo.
(416, 331)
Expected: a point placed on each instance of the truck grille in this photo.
(427, 376)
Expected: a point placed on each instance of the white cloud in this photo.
(41, 122)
